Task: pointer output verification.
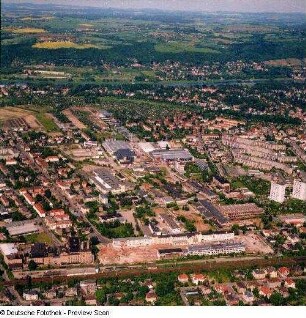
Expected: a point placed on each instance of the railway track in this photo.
(128, 271)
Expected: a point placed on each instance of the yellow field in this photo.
(28, 31)
(36, 19)
(86, 25)
(62, 45)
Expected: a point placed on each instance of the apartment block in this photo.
(299, 190)
(277, 192)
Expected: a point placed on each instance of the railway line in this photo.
(155, 268)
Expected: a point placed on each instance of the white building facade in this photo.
(299, 190)
(277, 192)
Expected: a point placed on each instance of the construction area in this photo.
(127, 255)
(122, 254)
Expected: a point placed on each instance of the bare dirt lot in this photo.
(73, 119)
(128, 215)
(7, 113)
(111, 255)
(194, 217)
(255, 244)
(32, 122)
(16, 117)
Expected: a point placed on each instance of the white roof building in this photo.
(8, 249)
(146, 147)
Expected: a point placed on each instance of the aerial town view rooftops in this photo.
(152, 159)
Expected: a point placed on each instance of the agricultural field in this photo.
(86, 25)
(122, 38)
(179, 47)
(43, 18)
(62, 45)
(27, 30)
(79, 44)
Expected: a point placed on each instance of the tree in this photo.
(94, 240)
(142, 290)
(32, 265)
(48, 194)
(100, 296)
(164, 287)
(256, 292)
(235, 229)
(277, 299)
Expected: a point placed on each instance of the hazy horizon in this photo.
(277, 6)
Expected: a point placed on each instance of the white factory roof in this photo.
(112, 145)
(146, 146)
(8, 248)
(172, 154)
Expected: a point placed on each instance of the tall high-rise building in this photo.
(277, 192)
(299, 190)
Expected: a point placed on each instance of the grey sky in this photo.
(190, 5)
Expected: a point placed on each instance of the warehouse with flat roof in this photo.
(216, 248)
(172, 155)
(120, 150)
(210, 212)
(22, 228)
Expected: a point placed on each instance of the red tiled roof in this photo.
(183, 277)
(265, 290)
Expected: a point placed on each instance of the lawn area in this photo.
(64, 45)
(47, 122)
(221, 276)
(115, 229)
(236, 184)
(39, 238)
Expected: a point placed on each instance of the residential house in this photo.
(248, 296)
(183, 278)
(283, 272)
(259, 273)
(231, 299)
(30, 295)
(272, 272)
(88, 287)
(90, 300)
(289, 283)
(205, 290)
(274, 283)
(197, 278)
(265, 291)
(49, 294)
(241, 287)
(151, 297)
